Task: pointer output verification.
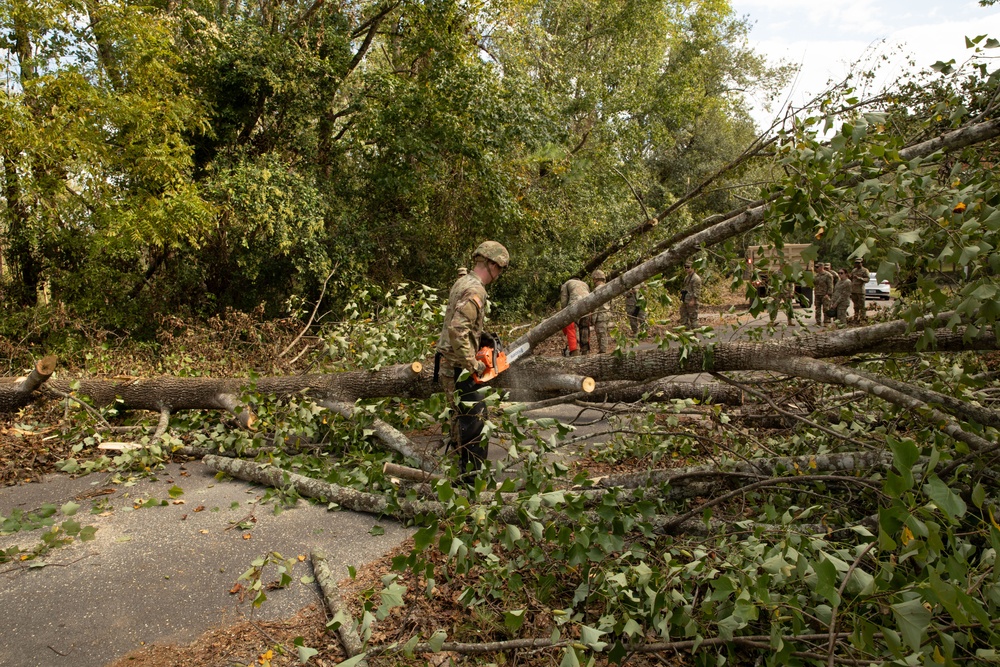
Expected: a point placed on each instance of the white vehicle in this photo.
(877, 290)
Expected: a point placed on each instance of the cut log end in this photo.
(416, 367)
(119, 446)
(588, 385)
(47, 365)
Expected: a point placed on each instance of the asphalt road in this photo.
(161, 573)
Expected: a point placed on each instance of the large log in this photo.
(389, 436)
(19, 392)
(414, 381)
(664, 390)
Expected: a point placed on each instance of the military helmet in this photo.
(688, 264)
(598, 275)
(858, 260)
(494, 252)
(462, 271)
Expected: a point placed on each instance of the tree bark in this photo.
(331, 595)
(20, 392)
(823, 371)
(843, 462)
(389, 436)
(174, 393)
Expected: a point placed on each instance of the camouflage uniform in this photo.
(690, 291)
(456, 349)
(822, 288)
(859, 278)
(578, 333)
(634, 310)
(841, 297)
(601, 319)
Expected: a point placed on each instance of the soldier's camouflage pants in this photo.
(636, 319)
(466, 421)
(583, 335)
(860, 310)
(603, 337)
(689, 313)
(821, 303)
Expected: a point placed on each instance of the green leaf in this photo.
(392, 597)
(304, 651)
(978, 495)
(353, 662)
(827, 581)
(437, 640)
(969, 253)
(70, 508)
(591, 636)
(410, 644)
(904, 455)
(377, 530)
(424, 537)
(912, 618)
(513, 619)
(569, 658)
(175, 491)
(947, 500)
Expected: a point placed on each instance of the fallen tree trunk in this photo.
(843, 462)
(414, 381)
(662, 391)
(18, 393)
(331, 595)
(389, 436)
(656, 391)
(359, 501)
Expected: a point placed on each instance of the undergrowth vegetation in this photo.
(744, 555)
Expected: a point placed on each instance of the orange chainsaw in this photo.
(492, 355)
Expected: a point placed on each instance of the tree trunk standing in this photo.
(21, 260)
(104, 42)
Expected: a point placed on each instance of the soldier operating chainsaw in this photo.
(466, 357)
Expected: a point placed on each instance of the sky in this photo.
(825, 37)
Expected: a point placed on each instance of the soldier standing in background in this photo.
(602, 316)
(634, 310)
(822, 288)
(859, 278)
(456, 354)
(690, 291)
(577, 333)
(841, 297)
